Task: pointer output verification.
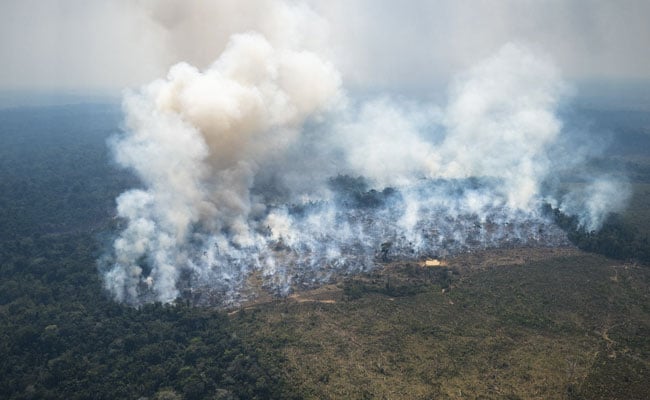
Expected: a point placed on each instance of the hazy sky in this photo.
(376, 44)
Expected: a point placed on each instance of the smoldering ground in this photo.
(263, 164)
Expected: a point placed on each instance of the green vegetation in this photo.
(505, 324)
(62, 338)
(637, 213)
(550, 328)
(617, 238)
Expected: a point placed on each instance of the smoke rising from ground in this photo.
(262, 165)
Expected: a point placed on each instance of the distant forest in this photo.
(616, 239)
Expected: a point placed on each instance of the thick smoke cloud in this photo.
(261, 166)
(196, 140)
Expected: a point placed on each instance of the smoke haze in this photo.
(407, 47)
(262, 164)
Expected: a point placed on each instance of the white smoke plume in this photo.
(261, 165)
(196, 140)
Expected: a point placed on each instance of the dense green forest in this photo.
(616, 238)
(62, 337)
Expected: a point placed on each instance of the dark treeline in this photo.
(616, 238)
(355, 192)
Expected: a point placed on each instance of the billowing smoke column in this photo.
(261, 167)
(196, 139)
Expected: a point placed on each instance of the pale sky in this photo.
(376, 44)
